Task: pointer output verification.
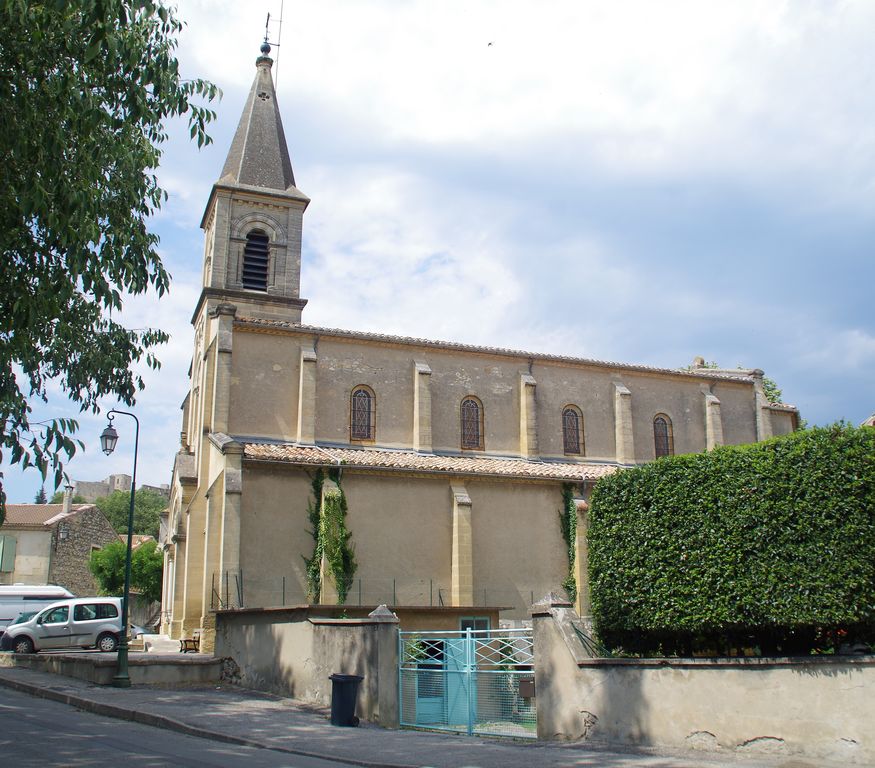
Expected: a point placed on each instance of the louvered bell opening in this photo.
(255, 255)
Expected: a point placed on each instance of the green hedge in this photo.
(755, 544)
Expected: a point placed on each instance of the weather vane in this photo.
(267, 45)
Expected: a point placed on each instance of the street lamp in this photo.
(108, 440)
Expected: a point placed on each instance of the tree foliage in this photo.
(41, 497)
(147, 565)
(331, 539)
(766, 544)
(86, 88)
(148, 506)
(147, 570)
(58, 498)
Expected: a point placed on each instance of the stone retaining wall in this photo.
(813, 707)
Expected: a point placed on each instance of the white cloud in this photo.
(450, 213)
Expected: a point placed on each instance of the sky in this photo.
(629, 181)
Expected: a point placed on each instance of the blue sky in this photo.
(630, 181)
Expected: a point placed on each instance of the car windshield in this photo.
(22, 617)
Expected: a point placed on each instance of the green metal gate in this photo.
(474, 681)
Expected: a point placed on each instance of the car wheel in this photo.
(107, 642)
(22, 644)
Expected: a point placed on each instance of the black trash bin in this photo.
(344, 690)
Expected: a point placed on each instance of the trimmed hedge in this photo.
(769, 545)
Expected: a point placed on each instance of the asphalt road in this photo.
(37, 732)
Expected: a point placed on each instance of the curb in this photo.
(161, 721)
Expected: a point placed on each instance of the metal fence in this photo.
(468, 682)
(236, 589)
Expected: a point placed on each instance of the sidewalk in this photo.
(240, 716)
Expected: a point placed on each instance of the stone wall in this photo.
(291, 653)
(820, 708)
(73, 540)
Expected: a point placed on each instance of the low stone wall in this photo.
(292, 653)
(814, 707)
(143, 669)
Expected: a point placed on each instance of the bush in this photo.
(768, 546)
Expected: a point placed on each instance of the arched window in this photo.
(572, 430)
(255, 256)
(362, 414)
(471, 412)
(663, 439)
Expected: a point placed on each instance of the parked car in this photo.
(16, 599)
(81, 622)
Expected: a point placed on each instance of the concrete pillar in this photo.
(713, 422)
(224, 318)
(528, 417)
(388, 706)
(623, 425)
(761, 404)
(583, 603)
(328, 586)
(213, 584)
(307, 397)
(177, 586)
(229, 555)
(462, 586)
(192, 598)
(421, 407)
(558, 652)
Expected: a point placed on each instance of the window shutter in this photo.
(7, 554)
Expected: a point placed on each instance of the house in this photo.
(52, 544)
(456, 465)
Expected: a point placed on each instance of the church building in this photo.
(455, 465)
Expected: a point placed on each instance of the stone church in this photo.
(455, 461)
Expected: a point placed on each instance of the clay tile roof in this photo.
(36, 514)
(137, 540)
(411, 461)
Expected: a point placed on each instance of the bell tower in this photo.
(253, 218)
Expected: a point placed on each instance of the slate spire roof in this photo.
(259, 156)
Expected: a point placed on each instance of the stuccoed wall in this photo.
(291, 653)
(402, 531)
(811, 707)
(266, 372)
(32, 557)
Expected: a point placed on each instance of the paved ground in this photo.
(38, 733)
(242, 717)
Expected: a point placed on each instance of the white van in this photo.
(16, 599)
(82, 622)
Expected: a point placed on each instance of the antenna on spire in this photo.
(266, 45)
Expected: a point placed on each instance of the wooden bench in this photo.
(191, 644)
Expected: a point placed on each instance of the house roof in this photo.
(411, 461)
(39, 514)
(137, 539)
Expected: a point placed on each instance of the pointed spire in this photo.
(259, 156)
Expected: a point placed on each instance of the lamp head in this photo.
(108, 439)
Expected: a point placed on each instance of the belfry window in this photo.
(362, 414)
(663, 439)
(472, 424)
(255, 258)
(572, 430)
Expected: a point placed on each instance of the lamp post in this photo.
(108, 440)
